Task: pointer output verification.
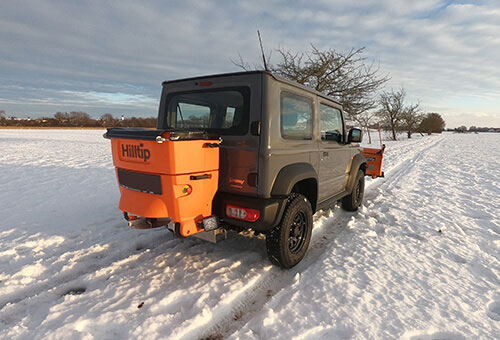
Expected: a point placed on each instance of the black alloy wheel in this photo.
(297, 232)
(287, 242)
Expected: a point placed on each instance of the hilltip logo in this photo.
(135, 151)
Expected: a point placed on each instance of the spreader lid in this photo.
(153, 134)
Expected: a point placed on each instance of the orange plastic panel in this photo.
(170, 157)
(181, 165)
(374, 159)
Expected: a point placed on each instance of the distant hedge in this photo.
(78, 119)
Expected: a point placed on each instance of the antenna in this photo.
(262, 50)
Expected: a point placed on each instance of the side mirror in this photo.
(354, 136)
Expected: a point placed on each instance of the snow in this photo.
(420, 260)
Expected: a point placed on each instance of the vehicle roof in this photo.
(276, 77)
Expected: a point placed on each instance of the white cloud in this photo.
(109, 99)
(442, 52)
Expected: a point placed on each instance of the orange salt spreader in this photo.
(374, 159)
(166, 178)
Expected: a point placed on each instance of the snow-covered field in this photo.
(420, 260)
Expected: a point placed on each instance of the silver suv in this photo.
(285, 153)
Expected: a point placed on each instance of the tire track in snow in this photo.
(229, 316)
(70, 276)
(402, 168)
(235, 311)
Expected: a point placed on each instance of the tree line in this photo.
(355, 84)
(463, 129)
(78, 119)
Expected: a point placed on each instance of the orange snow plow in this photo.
(166, 178)
(374, 161)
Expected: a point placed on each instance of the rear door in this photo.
(334, 156)
(239, 152)
(236, 99)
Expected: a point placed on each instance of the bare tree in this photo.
(411, 119)
(391, 110)
(244, 64)
(345, 77)
(3, 118)
(398, 116)
(78, 118)
(62, 118)
(107, 119)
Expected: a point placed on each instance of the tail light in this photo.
(241, 213)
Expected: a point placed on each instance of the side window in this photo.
(330, 123)
(296, 116)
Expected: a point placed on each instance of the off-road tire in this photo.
(353, 201)
(287, 243)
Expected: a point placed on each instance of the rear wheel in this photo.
(287, 243)
(353, 201)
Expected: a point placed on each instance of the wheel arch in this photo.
(358, 163)
(300, 178)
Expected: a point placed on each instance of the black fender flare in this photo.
(291, 174)
(358, 162)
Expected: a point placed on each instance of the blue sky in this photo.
(111, 56)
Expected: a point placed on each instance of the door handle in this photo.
(195, 178)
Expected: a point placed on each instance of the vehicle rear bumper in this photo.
(271, 210)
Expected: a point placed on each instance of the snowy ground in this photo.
(420, 260)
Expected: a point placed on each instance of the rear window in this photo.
(224, 111)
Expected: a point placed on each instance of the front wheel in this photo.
(353, 201)
(287, 243)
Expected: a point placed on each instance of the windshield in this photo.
(220, 110)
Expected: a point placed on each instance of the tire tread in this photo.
(276, 241)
